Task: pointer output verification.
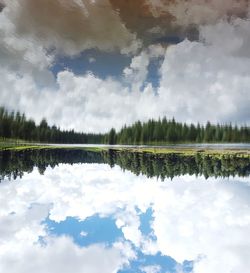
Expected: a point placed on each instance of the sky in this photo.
(92, 217)
(90, 65)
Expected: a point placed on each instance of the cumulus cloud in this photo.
(198, 77)
(229, 38)
(196, 80)
(19, 53)
(75, 102)
(136, 74)
(49, 258)
(207, 222)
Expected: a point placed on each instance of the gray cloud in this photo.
(154, 19)
(198, 12)
(71, 26)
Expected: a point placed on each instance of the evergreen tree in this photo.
(112, 137)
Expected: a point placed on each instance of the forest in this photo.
(169, 131)
(14, 125)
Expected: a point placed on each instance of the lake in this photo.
(82, 211)
(219, 146)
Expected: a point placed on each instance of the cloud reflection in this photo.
(206, 221)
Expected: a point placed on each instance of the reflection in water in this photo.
(14, 163)
(103, 219)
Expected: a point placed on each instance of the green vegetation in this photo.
(169, 131)
(187, 151)
(16, 126)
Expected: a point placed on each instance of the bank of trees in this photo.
(169, 131)
(16, 126)
(162, 131)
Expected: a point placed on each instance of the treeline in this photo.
(17, 126)
(169, 131)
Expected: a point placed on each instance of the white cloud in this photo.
(191, 220)
(231, 39)
(21, 218)
(19, 53)
(61, 255)
(83, 234)
(85, 103)
(197, 79)
(136, 74)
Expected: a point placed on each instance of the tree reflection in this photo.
(14, 163)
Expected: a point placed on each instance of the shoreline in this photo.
(159, 150)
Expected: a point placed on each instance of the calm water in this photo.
(220, 146)
(123, 212)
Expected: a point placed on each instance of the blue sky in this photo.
(107, 65)
(96, 229)
(102, 64)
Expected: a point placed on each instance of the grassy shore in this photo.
(16, 145)
(20, 145)
(189, 151)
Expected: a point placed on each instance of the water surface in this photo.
(217, 146)
(109, 212)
